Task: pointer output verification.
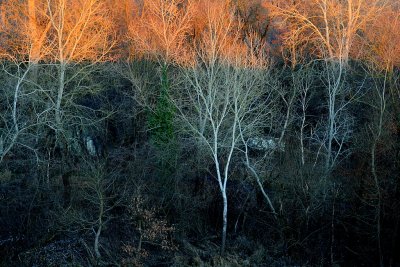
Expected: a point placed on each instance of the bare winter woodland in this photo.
(199, 133)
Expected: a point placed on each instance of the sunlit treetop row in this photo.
(241, 32)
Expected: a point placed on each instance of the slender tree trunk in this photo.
(224, 221)
(303, 121)
(34, 72)
(96, 242)
(255, 174)
(331, 125)
(15, 104)
(382, 109)
(333, 226)
(60, 142)
(100, 226)
(377, 186)
(334, 81)
(5, 148)
(60, 94)
(224, 197)
(16, 97)
(222, 186)
(378, 207)
(287, 117)
(33, 30)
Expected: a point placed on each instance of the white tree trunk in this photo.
(96, 242)
(303, 121)
(224, 220)
(60, 93)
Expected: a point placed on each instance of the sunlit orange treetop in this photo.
(171, 31)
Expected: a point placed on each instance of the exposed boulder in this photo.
(265, 144)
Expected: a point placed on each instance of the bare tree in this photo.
(17, 69)
(95, 190)
(302, 81)
(339, 125)
(329, 29)
(288, 96)
(11, 127)
(377, 131)
(223, 99)
(76, 37)
(383, 56)
(19, 63)
(63, 34)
